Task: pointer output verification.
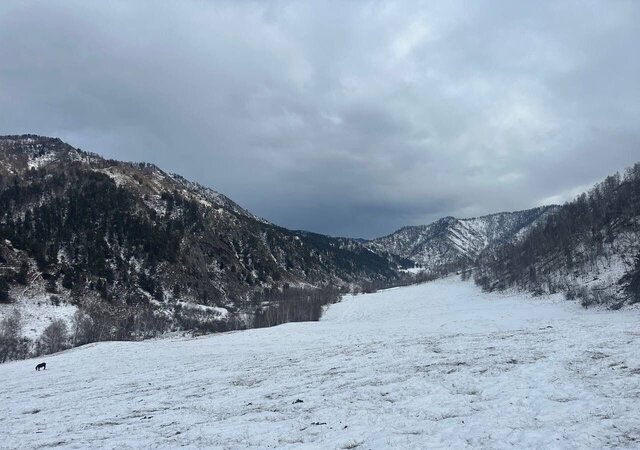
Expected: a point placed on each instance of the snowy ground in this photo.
(37, 311)
(439, 365)
(413, 270)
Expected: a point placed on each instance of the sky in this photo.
(350, 118)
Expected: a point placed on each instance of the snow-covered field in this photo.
(440, 365)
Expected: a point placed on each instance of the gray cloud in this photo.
(349, 118)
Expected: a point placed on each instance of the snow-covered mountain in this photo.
(451, 243)
(81, 230)
(589, 248)
(23, 153)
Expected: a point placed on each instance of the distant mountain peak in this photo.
(453, 242)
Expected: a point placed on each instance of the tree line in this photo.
(598, 225)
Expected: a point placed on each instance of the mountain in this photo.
(114, 238)
(588, 248)
(451, 243)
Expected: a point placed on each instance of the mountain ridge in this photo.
(127, 237)
(40, 151)
(589, 249)
(125, 250)
(452, 243)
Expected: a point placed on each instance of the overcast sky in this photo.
(346, 118)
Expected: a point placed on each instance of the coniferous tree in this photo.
(4, 291)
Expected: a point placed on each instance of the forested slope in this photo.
(137, 247)
(589, 248)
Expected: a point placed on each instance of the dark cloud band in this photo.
(348, 118)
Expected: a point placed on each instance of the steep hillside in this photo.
(589, 249)
(79, 229)
(451, 243)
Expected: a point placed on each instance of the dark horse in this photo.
(41, 366)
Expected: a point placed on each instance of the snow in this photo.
(215, 310)
(120, 178)
(41, 161)
(37, 311)
(450, 240)
(439, 365)
(413, 270)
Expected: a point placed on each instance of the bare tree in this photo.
(82, 331)
(12, 345)
(54, 338)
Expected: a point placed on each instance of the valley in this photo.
(436, 365)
